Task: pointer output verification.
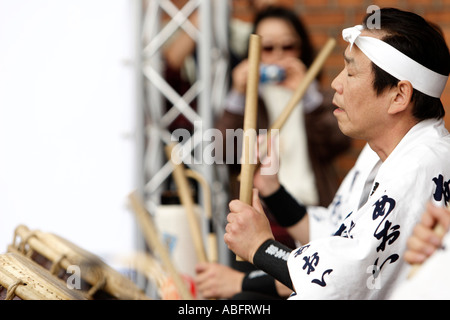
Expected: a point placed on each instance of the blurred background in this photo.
(87, 104)
(67, 119)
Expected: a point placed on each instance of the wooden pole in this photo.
(187, 201)
(153, 241)
(299, 93)
(310, 75)
(250, 118)
(248, 164)
(213, 252)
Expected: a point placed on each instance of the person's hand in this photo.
(266, 176)
(216, 281)
(248, 228)
(424, 242)
(240, 76)
(295, 72)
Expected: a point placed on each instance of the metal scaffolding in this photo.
(208, 89)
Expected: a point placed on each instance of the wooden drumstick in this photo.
(213, 254)
(153, 241)
(248, 164)
(250, 118)
(187, 201)
(440, 231)
(298, 95)
(310, 75)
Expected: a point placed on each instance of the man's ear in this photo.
(402, 97)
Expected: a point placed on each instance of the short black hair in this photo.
(421, 41)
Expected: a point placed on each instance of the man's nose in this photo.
(337, 83)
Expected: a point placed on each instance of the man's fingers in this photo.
(256, 202)
(420, 242)
(437, 215)
(237, 206)
(201, 267)
(413, 257)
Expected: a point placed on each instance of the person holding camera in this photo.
(308, 143)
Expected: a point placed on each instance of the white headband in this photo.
(396, 63)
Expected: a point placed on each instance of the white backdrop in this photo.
(67, 120)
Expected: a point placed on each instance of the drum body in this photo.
(23, 279)
(74, 266)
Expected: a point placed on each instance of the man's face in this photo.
(360, 113)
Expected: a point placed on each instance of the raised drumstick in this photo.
(248, 164)
(152, 238)
(299, 93)
(188, 203)
(310, 75)
(213, 255)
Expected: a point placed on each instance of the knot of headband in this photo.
(397, 63)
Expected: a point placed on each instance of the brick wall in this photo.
(327, 18)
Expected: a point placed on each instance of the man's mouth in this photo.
(337, 105)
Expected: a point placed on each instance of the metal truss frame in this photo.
(209, 88)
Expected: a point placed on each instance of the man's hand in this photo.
(266, 177)
(248, 227)
(217, 281)
(424, 242)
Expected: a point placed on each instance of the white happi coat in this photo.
(357, 243)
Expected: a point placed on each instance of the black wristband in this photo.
(286, 210)
(271, 257)
(261, 282)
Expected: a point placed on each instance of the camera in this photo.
(271, 73)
